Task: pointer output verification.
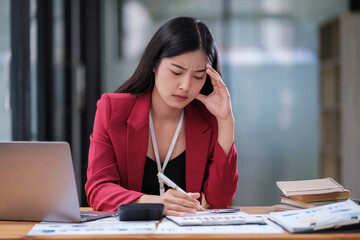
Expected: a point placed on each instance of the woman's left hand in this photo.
(217, 102)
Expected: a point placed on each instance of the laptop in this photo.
(37, 183)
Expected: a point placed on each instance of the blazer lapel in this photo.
(137, 141)
(197, 135)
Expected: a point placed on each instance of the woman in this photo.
(173, 115)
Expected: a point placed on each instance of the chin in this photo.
(179, 105)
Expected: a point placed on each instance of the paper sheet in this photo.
(106, 226)
(169, 227)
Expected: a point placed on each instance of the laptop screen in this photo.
(37, 182)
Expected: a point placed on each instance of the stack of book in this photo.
(310, 193)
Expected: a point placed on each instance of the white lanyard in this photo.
(171, 148)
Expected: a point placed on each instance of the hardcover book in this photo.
(313, 186)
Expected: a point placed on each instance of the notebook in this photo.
(37, 183)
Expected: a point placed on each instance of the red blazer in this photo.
(119, 143)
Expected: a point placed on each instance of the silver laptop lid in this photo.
(37, 182)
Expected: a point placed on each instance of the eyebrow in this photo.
(178, 66)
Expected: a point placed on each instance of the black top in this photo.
(175, 170)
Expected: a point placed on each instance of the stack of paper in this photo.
(324, 217)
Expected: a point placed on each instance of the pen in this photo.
(173, 185)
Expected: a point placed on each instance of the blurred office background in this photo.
(58, 56)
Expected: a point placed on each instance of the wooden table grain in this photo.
(16, 230)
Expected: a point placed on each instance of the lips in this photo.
(180, 97)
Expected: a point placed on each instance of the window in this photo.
(5, 55)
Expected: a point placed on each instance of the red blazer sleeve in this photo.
(103, 187)
(218, 172)
(221, 178)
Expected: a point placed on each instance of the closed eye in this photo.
(176, 73)
(199, 78)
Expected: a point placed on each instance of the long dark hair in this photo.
(175, 37)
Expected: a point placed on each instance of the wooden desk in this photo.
(18, 230)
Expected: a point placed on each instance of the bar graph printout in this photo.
(267, 227)
(209, 218)
(106, 226)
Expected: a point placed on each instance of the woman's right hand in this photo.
(177, 203)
